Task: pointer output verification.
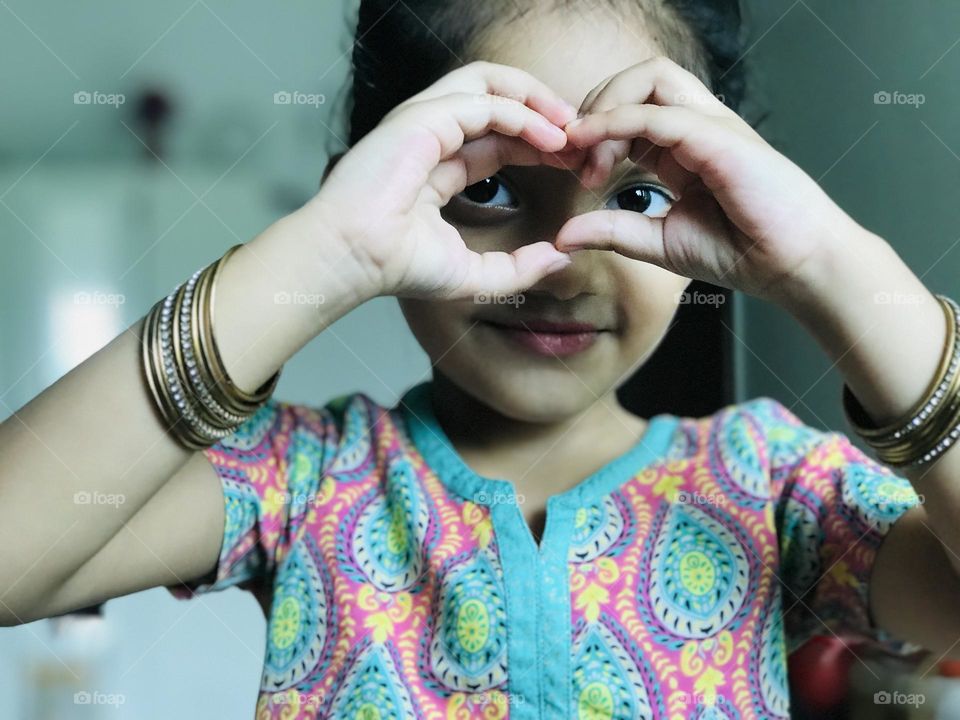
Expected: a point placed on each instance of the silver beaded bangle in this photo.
(884, 437)
(933, 425)
(177, 390)
(223, 416)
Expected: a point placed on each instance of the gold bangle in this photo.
(238, 398)
(938, 427)
(933, 424)
(171, 418)
(192, 392)
(203, 385)
(893, 432)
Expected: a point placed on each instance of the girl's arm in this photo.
(886, 333)
(96, 499)
(750, 219)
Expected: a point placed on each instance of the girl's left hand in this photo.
(746, 217)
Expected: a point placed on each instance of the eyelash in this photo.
(503, 185)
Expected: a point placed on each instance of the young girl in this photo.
(538, 183)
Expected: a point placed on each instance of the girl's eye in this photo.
(646, 199)
(490, 192)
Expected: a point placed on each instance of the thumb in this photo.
(625, 232)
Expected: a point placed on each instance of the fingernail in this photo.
(557, 132)
(573, 124)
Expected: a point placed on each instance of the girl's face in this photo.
(551, 352)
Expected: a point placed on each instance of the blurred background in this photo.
(139, 141)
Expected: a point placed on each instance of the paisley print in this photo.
(770, 669)
(389, 536)
(468, 651)
(876, 494)
(301, 619)
(699, 573)
(607, 685)
(596, 527)
(373, 689)
(668, 584)
(354, 458)
(799, 531)
(740, 455)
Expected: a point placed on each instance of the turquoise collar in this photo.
(535, 576)
(437, 449)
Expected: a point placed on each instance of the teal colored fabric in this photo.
(535, 577)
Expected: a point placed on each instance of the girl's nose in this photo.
(582, 276)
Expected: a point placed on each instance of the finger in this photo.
(622, 231)
(478, 160)
(642, 153)
(659, 81)
(461, 117)
(602, 159)
(592, 95)
(505, 81)
(508, 273)
(696, 141)
(663, 164)
(570, 159)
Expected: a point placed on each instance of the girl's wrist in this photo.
(873, 317)
(278, 292)
(329, 260)
(829, 271)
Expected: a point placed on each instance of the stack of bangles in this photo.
(196, 398)
(933, 425)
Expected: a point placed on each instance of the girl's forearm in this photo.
(84, 456)
(874, 318)
(281, 290)
(886, 333)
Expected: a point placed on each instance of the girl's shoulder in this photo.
(766, 428)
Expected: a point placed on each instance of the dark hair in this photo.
(403, 47)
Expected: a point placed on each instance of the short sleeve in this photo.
(270, 469)
(834, 505)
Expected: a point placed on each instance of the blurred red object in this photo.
(949, 668)
(819, 672)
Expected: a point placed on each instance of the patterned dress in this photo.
(397, 583)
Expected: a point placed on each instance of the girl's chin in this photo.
(537, 398)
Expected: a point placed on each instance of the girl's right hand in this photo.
(383, 198)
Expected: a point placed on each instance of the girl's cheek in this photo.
(648, 296)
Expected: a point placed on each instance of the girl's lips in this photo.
(550, 339)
